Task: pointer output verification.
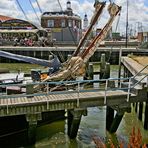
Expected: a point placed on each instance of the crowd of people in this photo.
(25, 41)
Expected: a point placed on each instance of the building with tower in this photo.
(65, 26)
(85, 22)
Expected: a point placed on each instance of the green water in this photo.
(54, 135)
(13, 67)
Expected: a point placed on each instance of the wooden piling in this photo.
(140, 110)
(29, 89)
(116, 122)
(50, 57)
(74, 118)
(106, 74)
(90, 71)
(136, 107)
(32, 132)
(102, 66)
(146, 117)
(69, 56)
(32, 125)
(109, 117)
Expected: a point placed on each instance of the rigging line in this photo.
(109, 57)
(68, 26)
(34, 10)
(39, 6)
(118, 22)
(110, 1)
(22, 9)
(60, 5)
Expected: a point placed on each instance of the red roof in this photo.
(5, 18)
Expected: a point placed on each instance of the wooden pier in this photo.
(133, 88)
(112, 53)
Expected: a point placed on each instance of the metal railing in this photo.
(139, 81)
(76, 87)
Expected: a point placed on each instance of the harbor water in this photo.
(54, 135)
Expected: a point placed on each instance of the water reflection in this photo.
(54, 135)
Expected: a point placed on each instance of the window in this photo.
(69, 23)
(74, 24)
(63, 23)
(50, 23)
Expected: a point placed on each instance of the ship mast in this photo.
(127, 25)
(98, 10)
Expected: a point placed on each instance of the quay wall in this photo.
(112, 54)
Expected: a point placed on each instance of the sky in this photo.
(138, 11)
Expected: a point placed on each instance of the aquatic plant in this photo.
(135, 141)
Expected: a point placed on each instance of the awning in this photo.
(19, 31)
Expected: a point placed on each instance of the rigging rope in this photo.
(34, 10)
(22, 9)
(39, 6)
(115, 32)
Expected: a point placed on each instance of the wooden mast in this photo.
(99, 8)
(87, 53)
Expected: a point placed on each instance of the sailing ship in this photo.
(75, 66)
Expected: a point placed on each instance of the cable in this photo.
(39, 6)
(34, 10)
(115, 41)
(22, 10)
(60, 5)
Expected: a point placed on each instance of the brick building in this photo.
(143, 36)
(65, 26)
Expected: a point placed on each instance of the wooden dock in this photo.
(54, 102)
(133, 88)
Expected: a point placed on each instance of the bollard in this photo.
(29, 89)
(102, 66)
(106, 74)
(50, 57)
(90, 71)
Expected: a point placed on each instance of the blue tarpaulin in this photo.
(54, 63)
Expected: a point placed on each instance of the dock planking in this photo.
(62, 101)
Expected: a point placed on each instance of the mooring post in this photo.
(109, 117)
(146, 117)
(32, 124)
(50, 57)
(90, 70)
(136, 107)
(140, 110)
(69, 56)
(107, 71)
(29, 89)
(102, 65)
(74, 118)
(116, 122)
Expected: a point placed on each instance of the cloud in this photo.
(138, 11)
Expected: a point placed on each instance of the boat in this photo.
(76, 65)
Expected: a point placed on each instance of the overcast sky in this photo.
(138, 10)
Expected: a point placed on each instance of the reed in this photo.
(135, 141)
